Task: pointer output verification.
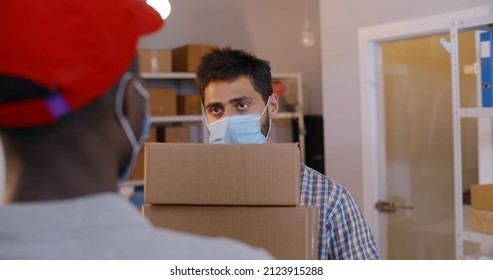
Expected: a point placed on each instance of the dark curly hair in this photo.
(226, 64)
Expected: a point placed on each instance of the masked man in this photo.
(236, 91)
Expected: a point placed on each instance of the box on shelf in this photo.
(482, 221)
(286, 232)
(177, 134)
(187, 58)
(482, 197)
(226, 174)
(162, 101)
(138, 170)
(190, 104)
(154, 60)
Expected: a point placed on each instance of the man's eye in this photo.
(215, 110)
(243, 106)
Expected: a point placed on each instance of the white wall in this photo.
(340, 21)
(270, 29)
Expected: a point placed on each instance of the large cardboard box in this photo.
(153, 60)
(162, 101)
(177, 134)
(190, 104)
(222, 174)
(482, 197)
(187, 58)
(138, 170)
(482, 221)
(286, 232)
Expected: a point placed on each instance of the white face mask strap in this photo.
(141, 89)
(120, 94)
(268, 132)
(270, 120)
(266, 106)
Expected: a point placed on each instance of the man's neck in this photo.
(58, 178)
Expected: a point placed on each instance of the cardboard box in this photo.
(151, 60)
(286, 232)
(177, 134)
(162, 101)
(187, 58)
(189, 104)
(222, 174)
(482, 221)
(138, 170)
(482, 197)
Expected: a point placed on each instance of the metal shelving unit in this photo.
(174, 77)
(463, 232)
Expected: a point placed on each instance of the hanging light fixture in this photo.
(162, 6)
(307, 38)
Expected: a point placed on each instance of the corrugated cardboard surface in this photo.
(286, 232)
(222, 174)
(187, 58)
(162, 101)
(482, 221)
(482, 197)
(161, 63)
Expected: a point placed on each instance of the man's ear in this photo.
(273, 106)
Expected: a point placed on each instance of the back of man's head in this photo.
(64, 54)
(61, 62)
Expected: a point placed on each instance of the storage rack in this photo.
(463, 232)
(171, 79)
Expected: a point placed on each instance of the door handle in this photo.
(390, 207)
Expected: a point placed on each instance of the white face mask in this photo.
(144, 134)
(242, 129)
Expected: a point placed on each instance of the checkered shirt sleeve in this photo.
(344, 233)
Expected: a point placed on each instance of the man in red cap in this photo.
(73, 115)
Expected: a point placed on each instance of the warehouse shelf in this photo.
(463, 231)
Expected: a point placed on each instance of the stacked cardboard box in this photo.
(177, 134)
(162, 101)
(153, 60)
(482, 208)
(187, 58)
(190, 104)
(247, 192)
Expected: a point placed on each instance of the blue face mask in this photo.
(242, 129)
(146, 126)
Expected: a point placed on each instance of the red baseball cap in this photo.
(77, 49)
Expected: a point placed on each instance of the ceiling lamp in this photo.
(162, 6)
(307, 37)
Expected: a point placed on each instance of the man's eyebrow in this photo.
(213, 104)
(240, 98)
(231, 101)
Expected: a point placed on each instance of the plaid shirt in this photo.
(344, 233)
